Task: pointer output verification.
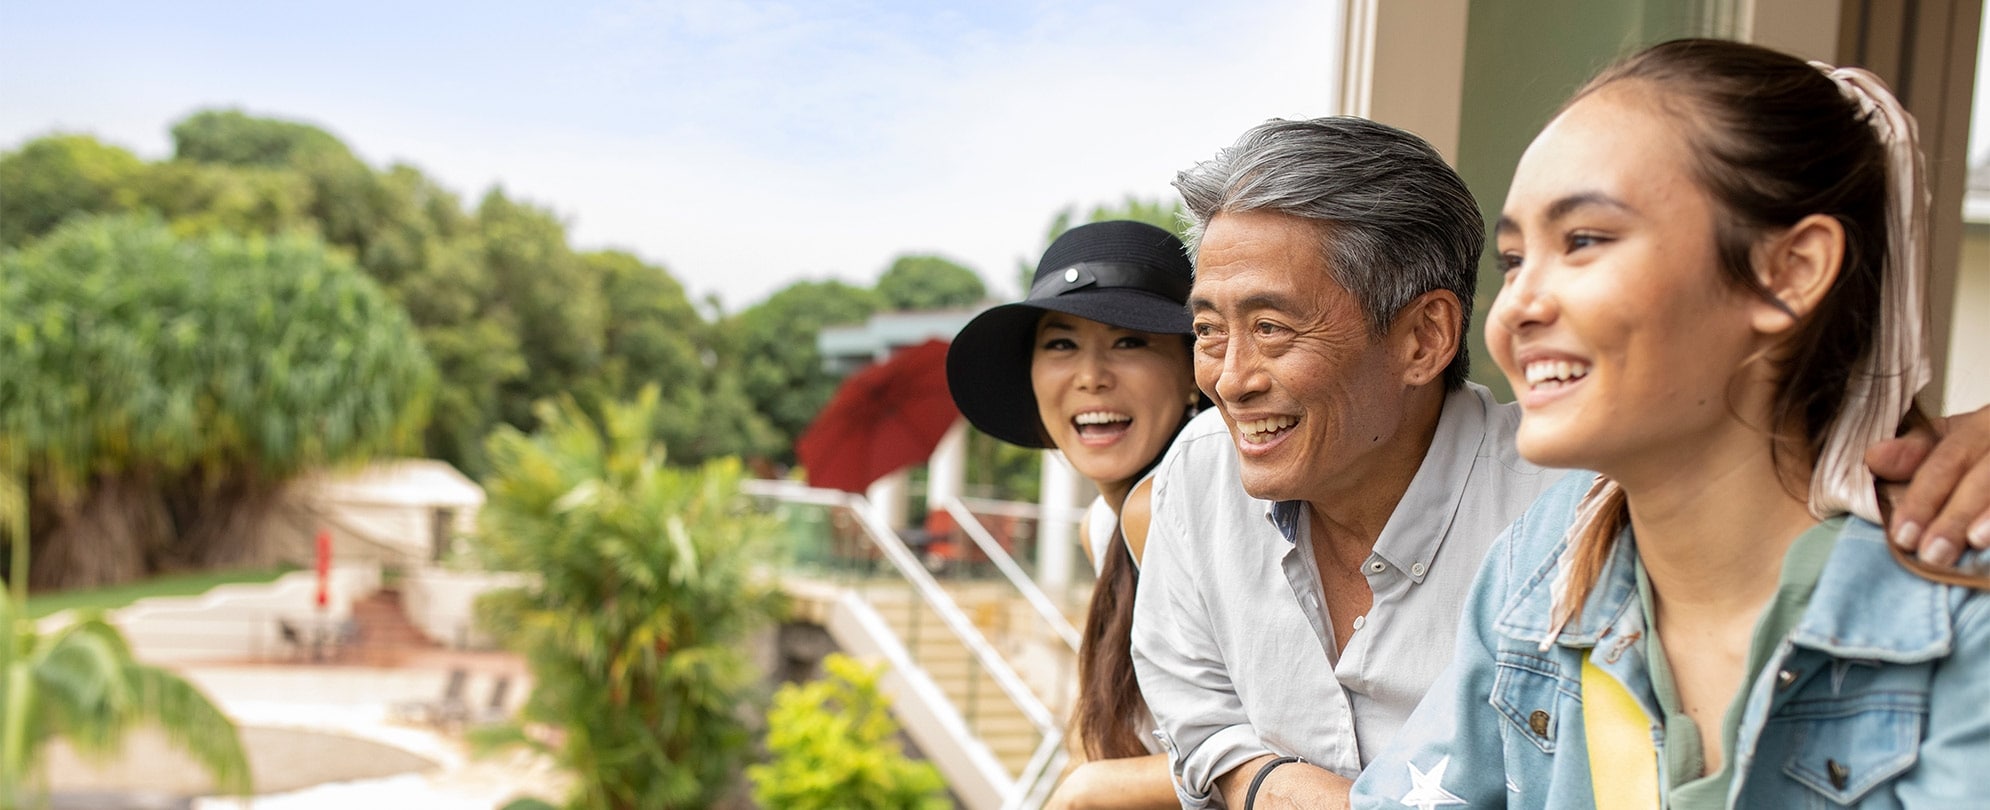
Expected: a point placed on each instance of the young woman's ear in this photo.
(1798, 267)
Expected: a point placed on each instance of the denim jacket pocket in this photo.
(1530, 692)
(1845, 745)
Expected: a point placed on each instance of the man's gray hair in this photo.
(1395, 222)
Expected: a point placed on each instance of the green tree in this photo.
(235, 138)
(347, 200)
(51, 179)
(201, 199)
(655, 336)
(643, 595)
(552, 298)
(158, 392)
(834, 745)
(771, 348)
(473, 340)
(925, 281)
(82, 684)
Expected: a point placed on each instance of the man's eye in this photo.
(1267, 328)
(1130, 342)
(1508, 262)
(1059, 344)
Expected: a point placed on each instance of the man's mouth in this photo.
(1259, 431)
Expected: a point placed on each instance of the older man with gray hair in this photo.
(1312, 540)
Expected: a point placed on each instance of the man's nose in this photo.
(1242, 372)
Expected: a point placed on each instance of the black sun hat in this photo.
(1126, 274)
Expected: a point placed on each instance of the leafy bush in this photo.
(643, 598)
(835, 746)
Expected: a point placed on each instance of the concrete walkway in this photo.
(330, 737)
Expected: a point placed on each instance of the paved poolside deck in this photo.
(328, 736)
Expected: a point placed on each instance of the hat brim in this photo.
(988, 365)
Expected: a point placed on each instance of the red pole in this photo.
(324, 568)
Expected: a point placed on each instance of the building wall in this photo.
(1969, 345)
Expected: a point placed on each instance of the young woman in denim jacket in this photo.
(1712, 259)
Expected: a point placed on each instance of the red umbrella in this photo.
(883, 418)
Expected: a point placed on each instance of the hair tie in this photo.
(1884, 381)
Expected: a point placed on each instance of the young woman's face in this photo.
(1613, 324)
(1111, 398)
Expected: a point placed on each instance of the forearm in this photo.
(1292, 786)
(1131, 783)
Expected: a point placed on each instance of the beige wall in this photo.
(1969, 345)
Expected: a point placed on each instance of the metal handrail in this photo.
(908, 566)
(1013, 572)
(902, 558)
(1018, 509)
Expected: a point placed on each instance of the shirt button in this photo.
(1375, 567)
(1360, 622)
(1416, 570)
(1785, 678)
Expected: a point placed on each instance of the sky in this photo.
(741, 145)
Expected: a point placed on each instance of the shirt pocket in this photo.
(1530, 692)
(1852, 730)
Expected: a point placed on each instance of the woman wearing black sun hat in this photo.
(1095, 363)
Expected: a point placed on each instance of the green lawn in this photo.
(42, 604)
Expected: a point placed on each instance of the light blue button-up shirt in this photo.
(1231, 638)
(1878, 698)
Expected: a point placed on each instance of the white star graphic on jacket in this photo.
(1427, 789)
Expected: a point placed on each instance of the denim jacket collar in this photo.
(1920, 625)
(1613, 602)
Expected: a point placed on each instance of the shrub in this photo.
(834, 746)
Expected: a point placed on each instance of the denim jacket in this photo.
(1880, 697)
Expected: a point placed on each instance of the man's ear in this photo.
(1798, 267)
(1426, 335)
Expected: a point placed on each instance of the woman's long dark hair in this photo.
(1108, 694)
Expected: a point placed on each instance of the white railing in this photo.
(1030, 786)
(1006, 564)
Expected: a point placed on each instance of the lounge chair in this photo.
(450, 710)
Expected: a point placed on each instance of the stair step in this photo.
(384, 629)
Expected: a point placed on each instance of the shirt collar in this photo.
(1416, 530)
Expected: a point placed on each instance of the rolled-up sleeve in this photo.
(1183, 676)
